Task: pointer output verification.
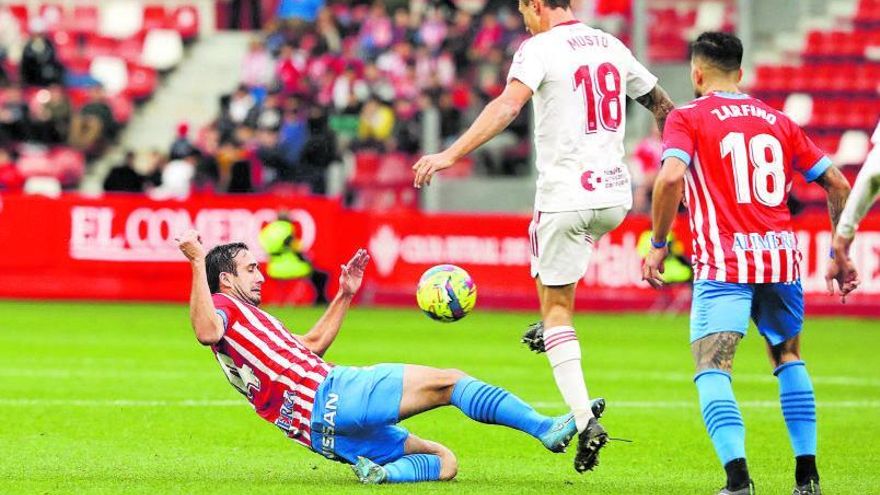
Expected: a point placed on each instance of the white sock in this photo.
(564, 353)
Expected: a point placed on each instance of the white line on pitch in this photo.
(845, 381)
(843, 404)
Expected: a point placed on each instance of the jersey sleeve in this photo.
(678, 137)
(527, 66)
(222, 309)
(639, 80)
(807, 158)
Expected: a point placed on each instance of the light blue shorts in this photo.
(777, 309)
(356, 412)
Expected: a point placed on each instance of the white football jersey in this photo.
(577, 75)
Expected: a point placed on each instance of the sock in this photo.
(737, 474)
(494, 405)
(805, 469)
(414, 467)
(799, 410)
(564, 353)
(721, 415)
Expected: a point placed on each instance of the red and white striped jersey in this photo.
(262, 360)
(741, 155)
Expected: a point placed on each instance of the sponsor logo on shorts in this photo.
(328, 435)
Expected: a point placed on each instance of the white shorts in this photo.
(562, 242)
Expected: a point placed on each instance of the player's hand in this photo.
(353, 273)
(842, 270)
(190, 244)
(429, 165)
(653, 267)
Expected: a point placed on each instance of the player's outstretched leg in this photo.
(714, 356)
(426, 388)
(799, 410)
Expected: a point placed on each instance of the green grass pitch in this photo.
(112, 398)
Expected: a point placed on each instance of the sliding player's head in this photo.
(535, 13)
(716, 59)
(233, 270)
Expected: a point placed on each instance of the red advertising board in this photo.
(121, 248)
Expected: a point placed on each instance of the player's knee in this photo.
(451, 376)
(448, 465)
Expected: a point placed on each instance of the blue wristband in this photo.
(659, 245)
(831, 253)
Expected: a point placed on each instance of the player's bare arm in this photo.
(659, 103)
(497, 115)
(206, 323)
(322, 335)
(668, 192)
(841, 271)
(864, 192)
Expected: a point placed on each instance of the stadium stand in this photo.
(72, 75)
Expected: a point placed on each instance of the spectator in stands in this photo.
(291, 139)
(266, 116)
(645, 166)
(39, 62)
(14, 117)
(94, 126)
(319, 151)
(181, 146)
(240, 104)
(407, 127)
(289, 71)
(432, 32)
(124, 178)
(257, 68)
(328, 30)
(488, 37)
(177, 177)
(376, 123)
(51, 114)
(11, 179)
(376, 32)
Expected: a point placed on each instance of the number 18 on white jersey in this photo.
(578, 75)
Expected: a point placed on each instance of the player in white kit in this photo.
(579, 78)
(864, 193)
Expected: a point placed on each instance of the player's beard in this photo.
(247, 295)
(698, 93)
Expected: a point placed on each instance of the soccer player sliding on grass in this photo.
(732, 157)
(347, 414)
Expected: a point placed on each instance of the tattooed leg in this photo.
(715, 351)
(713, 356)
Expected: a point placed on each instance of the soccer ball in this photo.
(446, 293)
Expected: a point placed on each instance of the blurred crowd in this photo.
(353, 77)
(37, 110)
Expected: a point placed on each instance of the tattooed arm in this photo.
(659, 103)
(837, 188)
(841, 268)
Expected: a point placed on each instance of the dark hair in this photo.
(722, 50)
(553, 4)
(222, 259)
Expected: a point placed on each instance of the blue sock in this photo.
(414, 467)
(721, 415)
(494, 405)
(798, 406)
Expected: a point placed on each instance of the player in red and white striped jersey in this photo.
(733, 157)
(344, 413)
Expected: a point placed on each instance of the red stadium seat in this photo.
(85, 19)
(185, 19)
(20, 12)
(142, 82)
(155, 17)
